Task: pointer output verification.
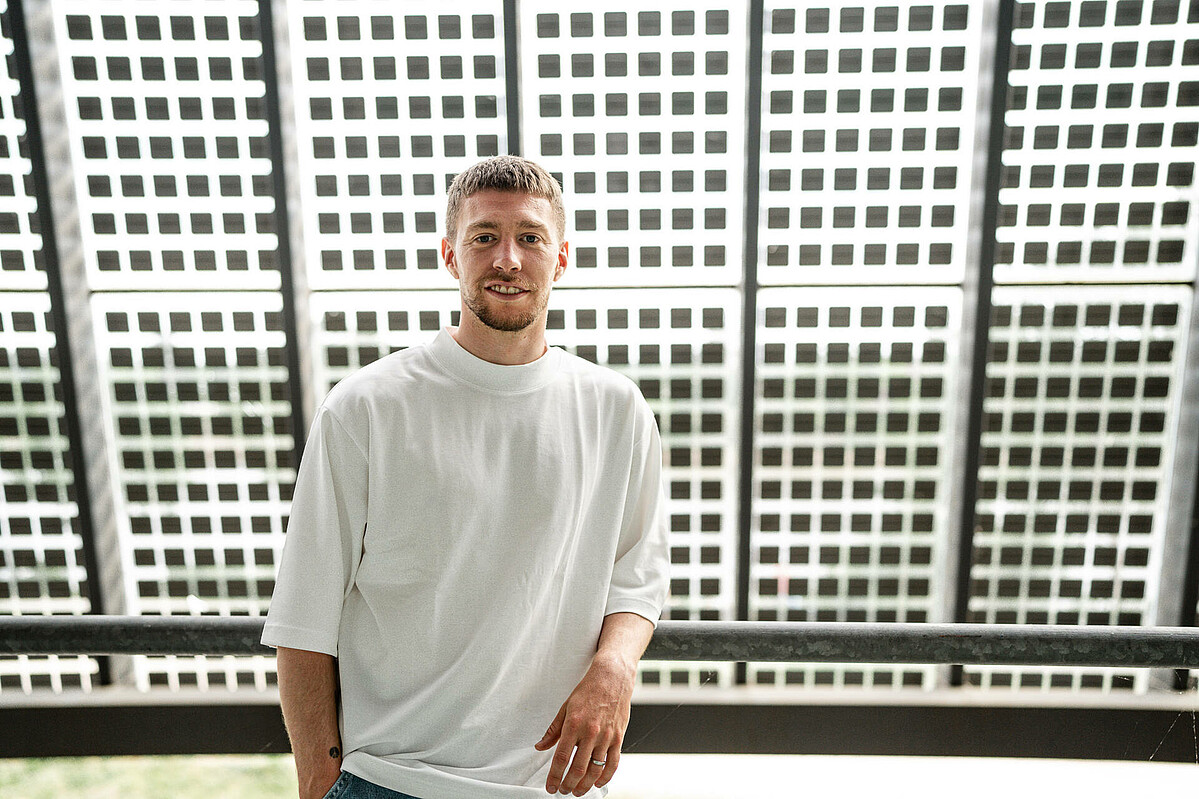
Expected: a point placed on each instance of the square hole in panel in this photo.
(644, 121)
(855, 413)
(1078, 443)
(382, 132)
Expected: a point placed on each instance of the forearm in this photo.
(308, 696)
(623, 639)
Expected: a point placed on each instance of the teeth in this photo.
(506, 289)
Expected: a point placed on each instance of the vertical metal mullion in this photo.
(64, 354)
(284, 260)
(1190, 589)
(512, 75)
(1189, 605)
(983, 284)
(1180, 565)
(749, 315)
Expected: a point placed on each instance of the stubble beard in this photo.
(476, 301)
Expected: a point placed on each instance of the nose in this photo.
(507, 257)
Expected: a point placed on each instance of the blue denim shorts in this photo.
(349, 786)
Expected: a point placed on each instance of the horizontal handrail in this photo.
(800, 642)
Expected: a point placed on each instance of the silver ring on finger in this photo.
(600, 763)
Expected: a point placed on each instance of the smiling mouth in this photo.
(506, 290)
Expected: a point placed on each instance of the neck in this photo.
(500, 346)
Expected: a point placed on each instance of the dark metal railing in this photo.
(800, 642)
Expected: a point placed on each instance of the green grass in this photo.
(185, 777)
(159, 777)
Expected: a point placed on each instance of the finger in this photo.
(610, 767)
(558, 766)
(595, 767)
(552, 733)
(578, 769)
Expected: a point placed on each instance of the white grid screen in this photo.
(1099, 153)
(868, 119)
(41, 560)
(642, 114)
(168, 136)
(166, 124)
(200, 419)
(389, 107)
(868, 192)
(1077, 445)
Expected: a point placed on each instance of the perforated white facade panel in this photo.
(1079, 438)
(168, 135)
(200, 425)
(1099, 154)
(389, 106)
(868, 131)
(20, 255)
(856, 416)
(41, 559)
(641, 111)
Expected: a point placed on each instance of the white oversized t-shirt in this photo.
(458, 533)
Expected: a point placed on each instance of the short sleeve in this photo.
(640, 578)
(324, 541)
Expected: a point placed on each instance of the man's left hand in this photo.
(591, 724)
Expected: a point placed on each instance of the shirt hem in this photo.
(426, 782)
(277, 635)
(645, 609)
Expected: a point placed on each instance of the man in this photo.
(476, 554)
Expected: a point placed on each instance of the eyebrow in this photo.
(491, 224)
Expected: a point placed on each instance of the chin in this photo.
(503, 319)
(508, 326)
(505, 323)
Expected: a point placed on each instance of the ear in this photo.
(563, 259)
(447, 255)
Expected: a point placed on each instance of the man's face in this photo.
(506, 257)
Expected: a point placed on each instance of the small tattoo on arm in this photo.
(335, 752)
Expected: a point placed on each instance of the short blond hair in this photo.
(504, 173)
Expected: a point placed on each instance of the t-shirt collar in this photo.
(493, 376)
